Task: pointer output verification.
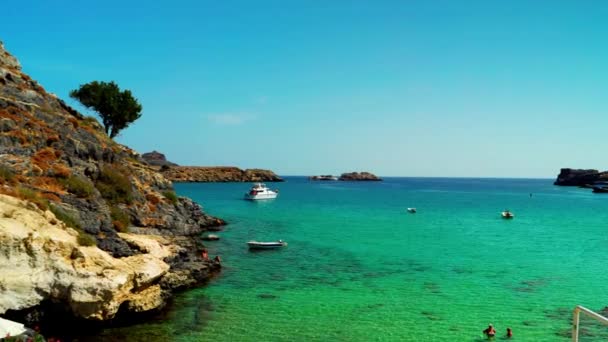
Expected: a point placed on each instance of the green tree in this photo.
(116, 108)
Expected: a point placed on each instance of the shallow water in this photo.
(359, 267)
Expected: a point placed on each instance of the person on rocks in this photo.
(205, 254)
(490, 331)
(217, 259)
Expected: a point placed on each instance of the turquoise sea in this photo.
(360, 268)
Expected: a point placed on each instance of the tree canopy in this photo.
(116, 108)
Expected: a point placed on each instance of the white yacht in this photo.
(259, 191)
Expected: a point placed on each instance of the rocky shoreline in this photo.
(87, 225)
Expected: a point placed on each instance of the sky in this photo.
(398, 88)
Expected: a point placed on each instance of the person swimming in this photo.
(490, 331)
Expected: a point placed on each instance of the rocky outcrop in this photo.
(57, 159)
(41, 259)
(218, 174)
(359, 176)
(579, 177)
(156, 158)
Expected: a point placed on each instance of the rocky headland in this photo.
(176, 173)
(156, 158)
(580, 177)
(86, 224)
(359, 176)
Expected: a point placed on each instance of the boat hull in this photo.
(260, 196)
(266, 245)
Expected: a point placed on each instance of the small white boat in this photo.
(411, 210)
(259, 191)
(266, 245)
(211, 237)
(507, 214)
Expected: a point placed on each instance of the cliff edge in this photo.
(73, 203)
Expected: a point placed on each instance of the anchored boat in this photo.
(507, 214)
(259, 191)
(266, 245)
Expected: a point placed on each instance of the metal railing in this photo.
(576, 319)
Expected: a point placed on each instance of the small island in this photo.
(359, 176)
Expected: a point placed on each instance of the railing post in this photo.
(575, 322)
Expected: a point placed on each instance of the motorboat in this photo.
(259, 191)
(323, 178)
(211, 237)
(507, 214)
(266, 245)
(411, 210)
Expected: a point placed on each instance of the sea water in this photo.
(359, 267)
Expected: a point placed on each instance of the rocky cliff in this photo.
(62, 162)
(218, 174)
(359, 176)
(580, 177)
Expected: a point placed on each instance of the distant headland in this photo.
(580, 177)
(177, 173)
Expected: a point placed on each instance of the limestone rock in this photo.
(40, 259)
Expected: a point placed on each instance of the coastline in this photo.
(89, 231)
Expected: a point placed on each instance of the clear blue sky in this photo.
(399, 88)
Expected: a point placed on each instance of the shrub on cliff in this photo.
(65, 217)
(6, 174)
(83, 238)
(32, 196)
(171, 197)
(120, 219)
(116, 108)
(78, 186)
(114, 186)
